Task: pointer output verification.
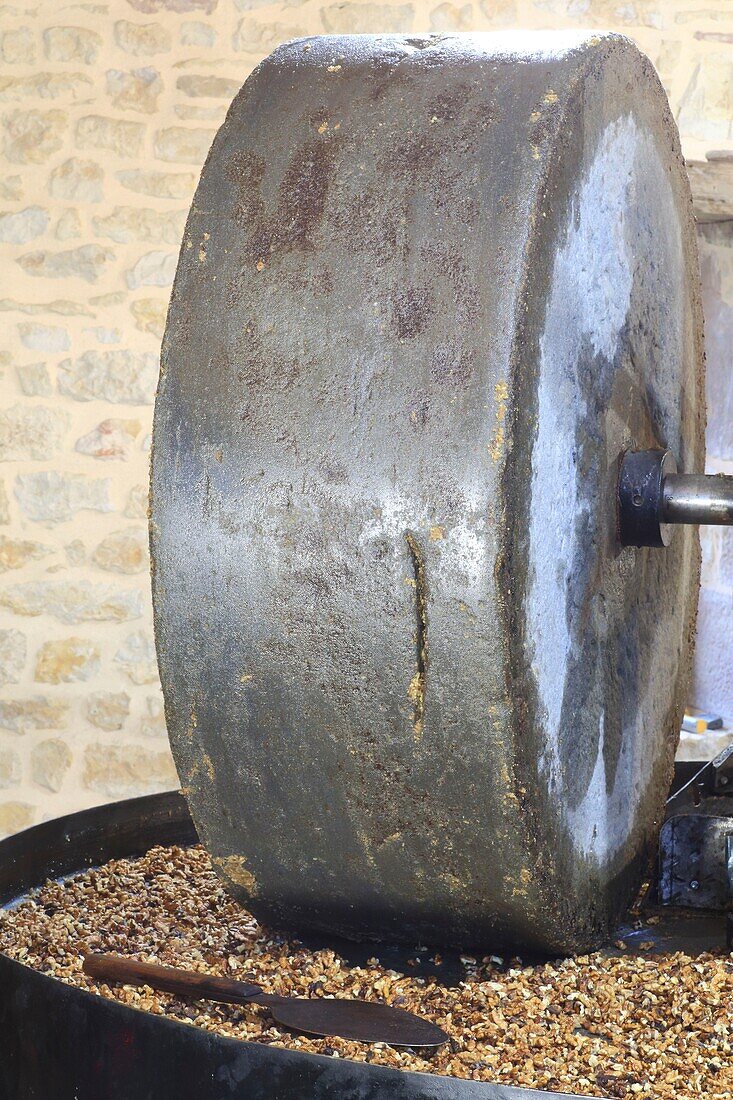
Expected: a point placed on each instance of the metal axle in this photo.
(652, 497)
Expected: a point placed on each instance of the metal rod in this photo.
(697, 498)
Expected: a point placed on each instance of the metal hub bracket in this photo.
(652, 497)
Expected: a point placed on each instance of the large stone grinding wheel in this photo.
(430, 290)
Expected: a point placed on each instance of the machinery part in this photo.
(652, 496)
(430, 289)
(694, 859)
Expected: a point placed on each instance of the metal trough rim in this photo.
(58, 1042)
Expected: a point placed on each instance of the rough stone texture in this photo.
(183, 145)
(120, 377)
(35, 432)
(130, 223)
(152, 269)
(31, 137)
(118, 770)
(71, 44)
(37, 713)
(52, 497)
(24, 226)
(15, 553)
(137, 657)
(66, 661)
(85, 173)
(73, 602)
(113, 438)
(10, 768)
(123, 552)
(142, 39)
(137, 90)
(86, 262)
(15, 816)
(50, 761)
(108, 710)
(99, 132)
(78, 180)
(13, 649)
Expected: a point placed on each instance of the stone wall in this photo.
(108, 110)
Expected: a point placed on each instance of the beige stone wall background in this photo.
(108, 110)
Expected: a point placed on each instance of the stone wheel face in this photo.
(429, 290)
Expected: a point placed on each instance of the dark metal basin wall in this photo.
(61, 1043)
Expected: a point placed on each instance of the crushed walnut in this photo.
(612, 1026)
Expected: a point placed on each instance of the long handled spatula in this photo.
(366, 1021)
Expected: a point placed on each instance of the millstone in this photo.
(431, 288)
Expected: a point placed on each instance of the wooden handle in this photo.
(114, 968)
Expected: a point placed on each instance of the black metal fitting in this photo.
(652, 496)
(640, 497)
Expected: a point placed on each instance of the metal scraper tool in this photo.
(366, 1021)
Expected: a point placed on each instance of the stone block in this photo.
(208, 86)
(13, 650)
(136, 657)
(18, 46)
(142, 39)
(123, 552)
(86, 262)
(52, 497)
(48, 338)
(347, 18)
(75, 87)
(152, 7)
(183, 145)
(111, 439)
(131, 223)
(68, 226)
(10, 768)
(252, 36)
(71, 44)
(34, 380)
(152, 723)
(116, 135)
(153, 269)
(124, 770)
(450, 17)
(66, 661)
(15, 553)
(135, 90)
(73, 601)
(31, 432)
(108, 710)
(23, 226)
(706, 106)
(50, 761)
(31, 137)
(197, 34)
(137, 502)
(161, 185)
(15, 816)
(150, 314)
(77, 180)
(36, 713)
(122, 377)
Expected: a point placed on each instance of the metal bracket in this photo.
(652, 496)
(696, 862)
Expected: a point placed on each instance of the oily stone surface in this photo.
(393, 619)
(72, 155)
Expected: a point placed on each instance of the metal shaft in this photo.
(652, 496)
(697, 498)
